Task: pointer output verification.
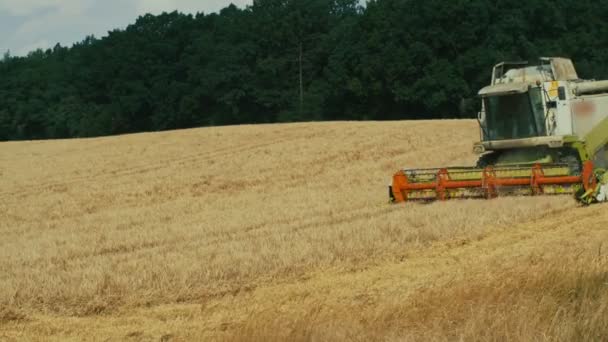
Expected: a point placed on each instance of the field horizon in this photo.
(284, 232)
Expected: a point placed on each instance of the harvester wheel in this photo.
(573, 164)
(488, 159)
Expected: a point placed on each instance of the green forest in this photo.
(289, 61)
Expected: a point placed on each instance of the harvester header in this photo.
(543, 131)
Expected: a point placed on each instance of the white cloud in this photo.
(29, 7)
(188, 6)
(41, 44)
(29, 24)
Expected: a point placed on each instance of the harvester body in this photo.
(542, 131)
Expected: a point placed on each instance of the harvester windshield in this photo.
(514, 116)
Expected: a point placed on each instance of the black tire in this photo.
(573, 163)
(486, 160)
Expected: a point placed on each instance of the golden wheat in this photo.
(284, 232)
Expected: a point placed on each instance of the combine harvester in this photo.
(543, 131)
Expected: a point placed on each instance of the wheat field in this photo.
(283, 232)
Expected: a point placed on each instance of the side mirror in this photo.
(561, 93)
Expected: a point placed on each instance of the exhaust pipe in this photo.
(591, 87)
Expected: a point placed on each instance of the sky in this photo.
(26, 25)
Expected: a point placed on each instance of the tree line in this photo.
(291, 60)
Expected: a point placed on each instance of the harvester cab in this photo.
(542, 131)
